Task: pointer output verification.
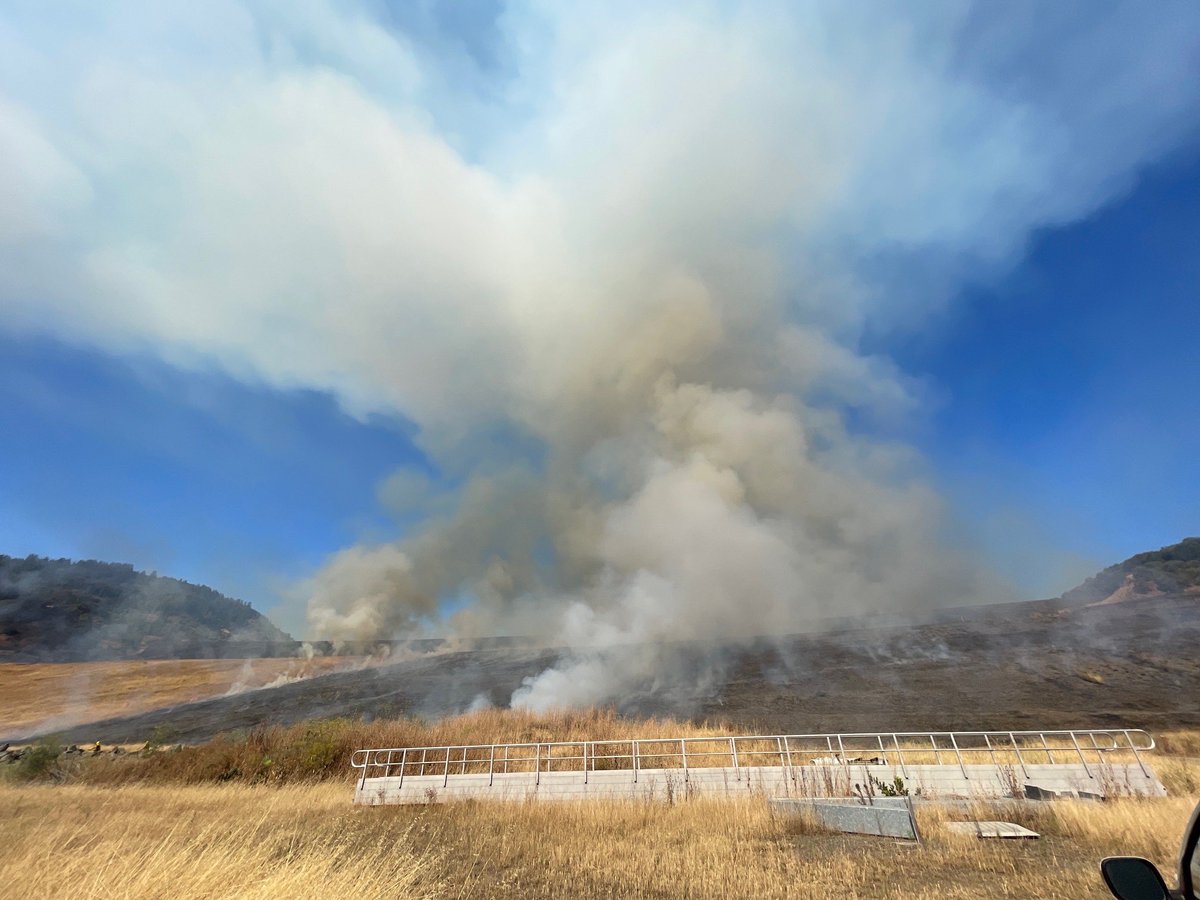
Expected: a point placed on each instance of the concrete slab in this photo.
(1037, 792)
(1002, 830)
(970, 782)
(886, 817)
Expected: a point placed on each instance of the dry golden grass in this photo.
(44, 696)
(719, 848)
(1179, 775)
(165, 831)
(1179, 742)
(227, 842)
(238, 841)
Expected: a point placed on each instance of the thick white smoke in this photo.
(617, 275)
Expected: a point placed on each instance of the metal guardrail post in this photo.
(788, 751)
(954, 744)
(1046, 747)
(1017, 749)
(446, 774)
(1136, 755)
(842, 748)
(900, 753)
(424, 750)
(733, 750)
(779, 747)
(987, 740)
(492, 766)
(937, 756)
(636, 754)
(1080, 752)
(585, 769)
(683, 755)
(403, 760)
(537, 762)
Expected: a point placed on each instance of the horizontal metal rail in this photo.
(895, 748)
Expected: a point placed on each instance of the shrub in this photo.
(40, 761)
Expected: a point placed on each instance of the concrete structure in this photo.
(969, 765)
(1001, 830)
(884, 817)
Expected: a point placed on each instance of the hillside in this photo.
(1034, 664)
(57, 610)
(1168, 571)
(1022, 665)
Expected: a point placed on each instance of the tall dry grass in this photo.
(1181, 742)
(226, 841)
(164, 824)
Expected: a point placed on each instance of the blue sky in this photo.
(845, 292)
(191, 474)
(1068, 390)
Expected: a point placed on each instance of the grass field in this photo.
(162, 823)
(46, 696)
(227, 841)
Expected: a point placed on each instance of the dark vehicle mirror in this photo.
(1189, 859)
(1133, 878)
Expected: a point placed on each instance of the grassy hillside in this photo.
(59, 609)
(52, 696)
(1171, 570)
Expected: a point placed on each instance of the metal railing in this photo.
(896, 748)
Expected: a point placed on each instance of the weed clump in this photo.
(40, 761)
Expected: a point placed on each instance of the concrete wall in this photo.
(885, 817)
(971, 782)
